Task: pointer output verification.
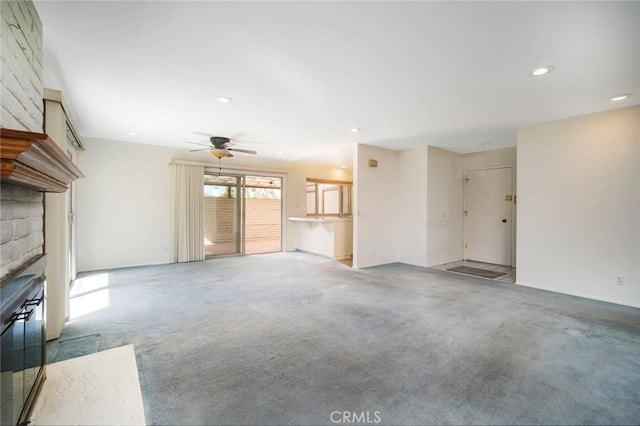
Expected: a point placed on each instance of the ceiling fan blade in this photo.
(201, 149)
(229, 154)
(208, 135)
(246, 151)
(236, 136)
(196, 143)
(250, 142)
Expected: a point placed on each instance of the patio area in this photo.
(252, 246)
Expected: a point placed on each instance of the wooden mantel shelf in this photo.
(35, 161)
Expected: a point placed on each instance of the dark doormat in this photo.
(477, 271)
(61, 349)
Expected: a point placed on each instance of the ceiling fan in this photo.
(221, 147)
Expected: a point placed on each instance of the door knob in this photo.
(504, 220)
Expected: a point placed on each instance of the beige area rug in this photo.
(96, 389)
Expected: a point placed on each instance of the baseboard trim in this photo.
(582, 295)
(112, 268)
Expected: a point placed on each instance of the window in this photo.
(328, 198)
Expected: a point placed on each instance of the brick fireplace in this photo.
(21, 225)
(32, 164)
(22, 108)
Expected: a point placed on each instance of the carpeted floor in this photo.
(290, 338)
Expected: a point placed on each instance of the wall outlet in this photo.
(619, 280)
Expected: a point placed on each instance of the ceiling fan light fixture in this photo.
(219, 153)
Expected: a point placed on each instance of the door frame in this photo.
(240, 214)
(71, 235)
(513, 208)
(229, 171)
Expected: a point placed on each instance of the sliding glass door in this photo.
(263, 218)
(223, 215)
(242, 214)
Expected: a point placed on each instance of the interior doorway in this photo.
(489, 201)
(242, 214)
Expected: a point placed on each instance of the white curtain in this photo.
(187, 212)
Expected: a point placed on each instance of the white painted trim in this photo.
(208, 170)
(229, 169)
(53, 95)
(283, 214)
(582, 295)
(490, 168)
(136, 265)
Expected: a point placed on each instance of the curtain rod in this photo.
(228, 167)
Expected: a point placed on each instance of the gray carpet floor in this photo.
(290, 338)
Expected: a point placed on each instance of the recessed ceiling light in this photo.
(355, 129)
(224, 99)
(485, 143)
(542, 70)
(279, 152)
(132, 133)
(621, 97)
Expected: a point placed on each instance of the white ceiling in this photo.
(450, 74)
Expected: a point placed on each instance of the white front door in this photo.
(489, 215)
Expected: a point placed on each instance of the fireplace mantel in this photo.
(35, 161)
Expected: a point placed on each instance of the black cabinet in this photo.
(22, 349)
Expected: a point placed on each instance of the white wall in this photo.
(376, 207)
(418, 212)
(445, 206)
(123, 202)
(488, 159)
(578, 206)
(411, 214)
(445, 200)
(123, 205)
